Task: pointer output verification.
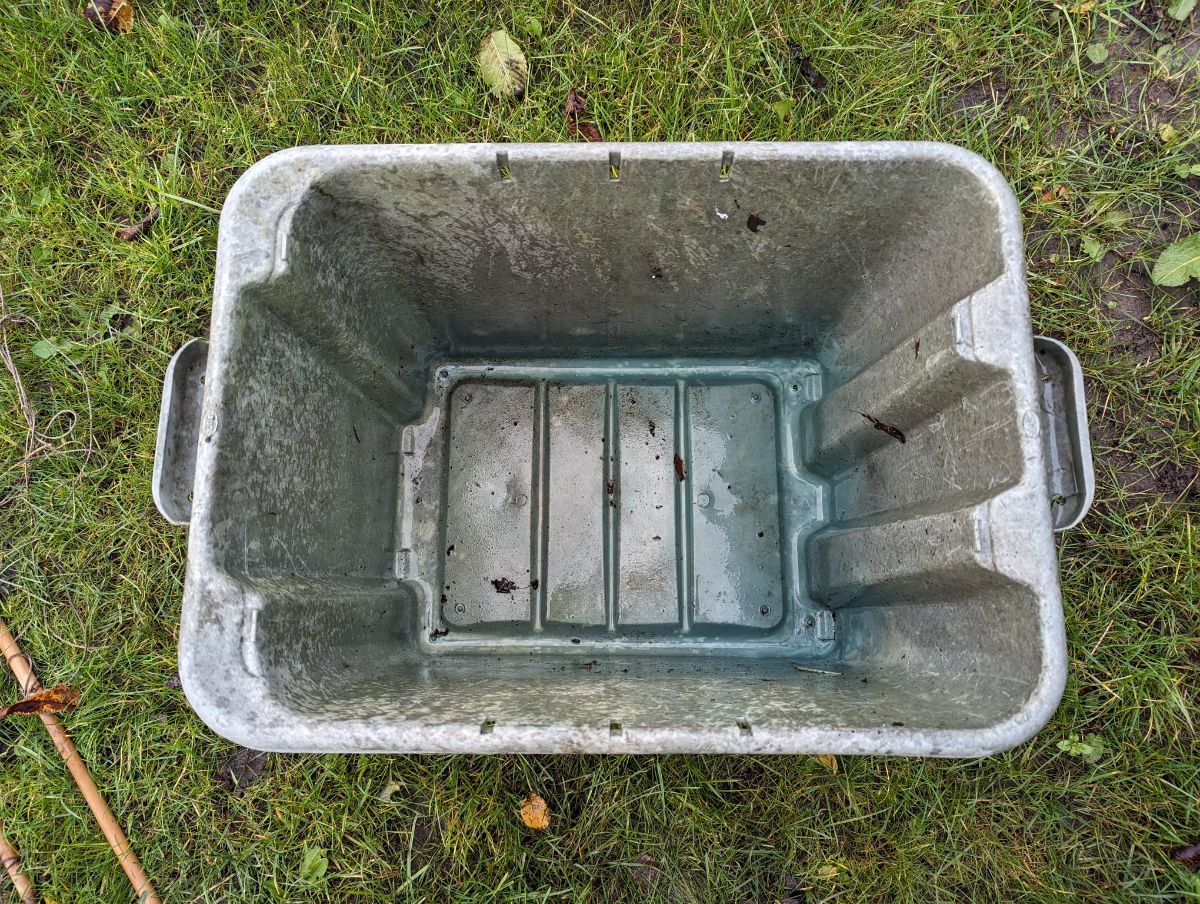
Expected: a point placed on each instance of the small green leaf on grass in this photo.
(313, 864)
(503, 65)
(1114, 219)
(1170, 57)
(783, 108)
(1097, 53)
(48, 348)
(1178, 263)
(1187, 169)
(1167, 133)
(533, 27)
(1089, 748)
(1093, 247)
(1181, 9)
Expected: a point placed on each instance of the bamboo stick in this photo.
(12, 863)
(142, 886)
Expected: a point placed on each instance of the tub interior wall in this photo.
(401, 294)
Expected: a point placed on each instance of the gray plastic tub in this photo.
(644, 447)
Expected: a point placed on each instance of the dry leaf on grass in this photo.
(573, 108)
(242, 768)
(534, 812)
(58, 699)
(115, 15)
(808, 70)
(389, 789)
(1188, 855)
(646, 873)
(829, 761)
(503, 65)
(129, 233)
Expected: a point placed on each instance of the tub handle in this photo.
(1069, 472)
(179, 431)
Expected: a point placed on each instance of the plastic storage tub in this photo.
(644, 447)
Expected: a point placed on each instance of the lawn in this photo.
(1089, 109)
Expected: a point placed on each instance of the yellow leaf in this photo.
(503, 65)
(389, 789)
(534, 812)
(829, 761)
(57, 699)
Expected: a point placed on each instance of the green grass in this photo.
(94, 127)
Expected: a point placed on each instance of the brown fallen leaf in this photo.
(58, 699)
(589, 131)
(574, 105)
(754, 222)
(129, 233)
(241, 769)
(680, 468)
(647, 872)
(504, 585)
(115, 15)
(534, 812)
(573, 108)
(1188, 855)
(808, 71)
(829, 761)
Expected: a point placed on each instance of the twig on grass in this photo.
(19, 663)
(38, 444)
(22, 398)
(12, 863)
